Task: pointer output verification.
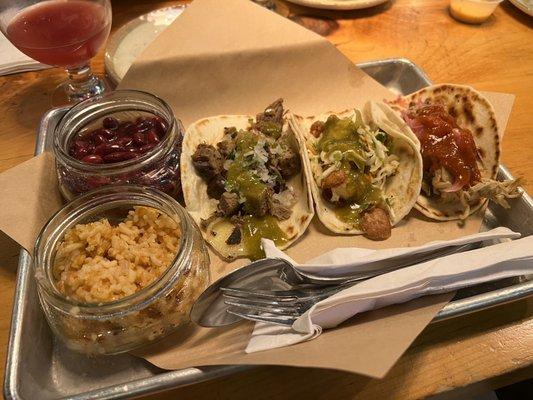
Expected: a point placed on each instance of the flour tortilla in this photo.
(403, 187)
(201, 207)
(473, 112)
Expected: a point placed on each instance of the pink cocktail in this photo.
(63, 33)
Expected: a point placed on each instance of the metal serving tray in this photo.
(38, 367)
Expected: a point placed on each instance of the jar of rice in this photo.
(119, 267)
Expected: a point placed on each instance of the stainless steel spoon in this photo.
(209, 310)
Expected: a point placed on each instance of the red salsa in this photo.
(445, 144)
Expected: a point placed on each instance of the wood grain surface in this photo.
(465, 355)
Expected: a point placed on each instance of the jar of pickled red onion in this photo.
(124, 137)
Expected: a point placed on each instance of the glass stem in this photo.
(82, 83)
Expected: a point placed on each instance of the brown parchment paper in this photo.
(29, 196)
(234, 57)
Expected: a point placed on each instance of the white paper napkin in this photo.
(13, 60)
(440, 275)
(344, 261)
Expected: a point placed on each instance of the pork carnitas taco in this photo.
(364, 173)
(460, 147)
(243, 179)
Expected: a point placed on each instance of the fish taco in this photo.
(243, 179)
(364, 173)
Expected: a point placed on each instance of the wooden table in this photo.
(487, 350)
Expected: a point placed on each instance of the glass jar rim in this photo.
(92, 104)
(81, 208)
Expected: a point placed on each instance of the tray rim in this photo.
(178, 378)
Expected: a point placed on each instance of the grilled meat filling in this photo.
(247, 171)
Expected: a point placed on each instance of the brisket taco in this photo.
(364, 173)
(460, 147)
(243, 179)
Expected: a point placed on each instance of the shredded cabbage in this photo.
(379, 163)
(497, 191)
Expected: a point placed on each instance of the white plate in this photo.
(339, 4)
(131, 39)
(524, 5)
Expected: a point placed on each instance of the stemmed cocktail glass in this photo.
(62, 33)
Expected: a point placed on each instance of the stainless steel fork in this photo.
(281, 307)
(270, 276)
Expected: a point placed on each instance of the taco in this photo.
(460, 147)
(364, 173)
(243, 179)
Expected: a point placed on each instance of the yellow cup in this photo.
(473, 11)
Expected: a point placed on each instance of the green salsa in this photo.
(242, 179)
(245, 141)
(359, 194)
(240, 176)
(271, 129)
(340, 136)
(248, 185)
(358, 187)
(350, 213)
(255, 228)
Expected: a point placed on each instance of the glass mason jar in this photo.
(144, 316)
(158, 167)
